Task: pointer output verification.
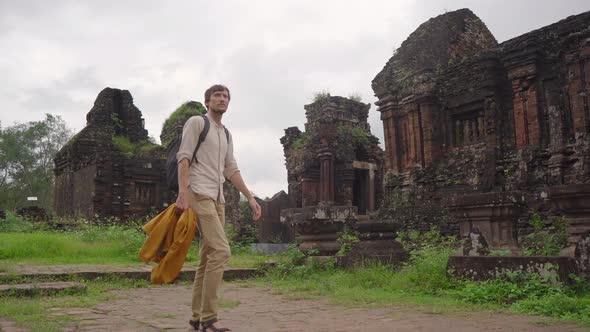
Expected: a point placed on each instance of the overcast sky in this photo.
(56, 56)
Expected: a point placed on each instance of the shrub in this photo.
(347, 239)
(509, 288)
(412, 239)
(130, 149)
(545, 241)
(356, 97)
(17, 224)
(426, 271)
(323, 95)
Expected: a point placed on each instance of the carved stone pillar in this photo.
(326, 175)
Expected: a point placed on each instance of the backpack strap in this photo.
(226, 134)
(202, 137)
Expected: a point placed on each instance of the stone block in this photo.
(47, 288)
(489, 267)
(475, 244)
(269, 248)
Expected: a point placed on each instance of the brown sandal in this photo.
(195, 324)
(209, 325)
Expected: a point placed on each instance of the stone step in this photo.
(187, 274)
(578, 229)
(44, 288)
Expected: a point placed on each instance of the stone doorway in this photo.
(363, 188)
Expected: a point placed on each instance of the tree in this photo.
(26, 160)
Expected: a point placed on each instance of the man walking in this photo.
(200, 184)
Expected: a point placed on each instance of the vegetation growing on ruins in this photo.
(545, 240)
(302, 141)
(356, 97)
(130, 149)
(349, 140)
(347, 239)
(181, 114)
(323, 95)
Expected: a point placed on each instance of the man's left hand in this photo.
(257, 211)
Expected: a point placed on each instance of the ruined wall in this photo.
(270, 229)
(471, 116)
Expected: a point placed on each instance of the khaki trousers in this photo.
(214, 254)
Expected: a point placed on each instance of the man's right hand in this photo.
(182, 201)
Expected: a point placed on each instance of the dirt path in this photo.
(168, 308)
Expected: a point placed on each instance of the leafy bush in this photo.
(302, 141)
(294, 264)
(130, 149)
(17, 224)
(247, 233)
(356, 97)
(509, 288)
(347, 239)
(426, 271)
(323, 95)
(545, 241)
(412, 239)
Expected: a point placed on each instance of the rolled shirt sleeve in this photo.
(231, 166)
(190, 137)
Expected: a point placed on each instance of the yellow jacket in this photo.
(168, 240)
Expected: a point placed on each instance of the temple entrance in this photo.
(363, 187)
(360, 190)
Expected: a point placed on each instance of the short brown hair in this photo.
(215, 88)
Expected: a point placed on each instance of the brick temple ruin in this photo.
(490, 133)
(335, 174)
(502, 129)
(479, 136)
(112, 169)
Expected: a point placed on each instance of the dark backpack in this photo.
(172, 149)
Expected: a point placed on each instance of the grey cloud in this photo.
(169, 52)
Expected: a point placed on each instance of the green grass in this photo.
(56, 248)
(423, 283)
(35, 312)
(115, 245)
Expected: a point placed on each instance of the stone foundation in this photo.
(489, 267)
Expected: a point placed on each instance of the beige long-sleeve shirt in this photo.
(215, 157)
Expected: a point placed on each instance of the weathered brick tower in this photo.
(492, 132)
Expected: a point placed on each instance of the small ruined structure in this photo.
(32, 213)
(334, 170)
(336, 159)
(112, 169)
(490, 132)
